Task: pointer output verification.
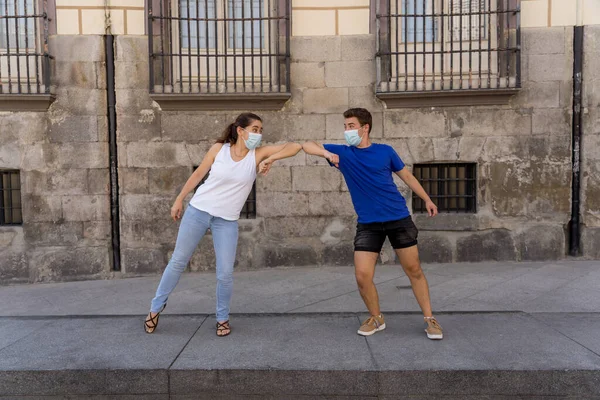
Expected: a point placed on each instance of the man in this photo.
(382, 212)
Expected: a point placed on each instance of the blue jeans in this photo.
(194, 225)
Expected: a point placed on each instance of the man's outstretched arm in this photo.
(416, 187)
(317, 149)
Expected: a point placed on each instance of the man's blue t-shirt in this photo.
(368, 174)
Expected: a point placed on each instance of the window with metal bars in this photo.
(219, 46)
(24, 60)
(452, 187)
(443, 45)
(10, 198)
(249, 209)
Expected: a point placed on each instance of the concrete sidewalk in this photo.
(512, 331)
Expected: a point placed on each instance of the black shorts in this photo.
(370, 237)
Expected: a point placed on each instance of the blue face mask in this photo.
(253, 141)
(352, 137)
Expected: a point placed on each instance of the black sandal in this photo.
(221, 327)
(152, 322)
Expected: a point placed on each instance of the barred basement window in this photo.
(452, 187)
(10, 198)
(249, 209)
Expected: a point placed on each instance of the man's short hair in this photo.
(362, 115)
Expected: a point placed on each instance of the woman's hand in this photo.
(265, 166)
(177, 209)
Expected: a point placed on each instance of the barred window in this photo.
(10, 198)
(452, 187)
(249, 209)
(219, 46)
(24, 62)
(442, 45)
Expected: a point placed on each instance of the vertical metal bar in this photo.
(150, 48)
(433, 52)
(518, 51)
(405, 23)
(489, 40)
(8, 46)
(377, 47)
(260, 48)
(233, 25)
(243, 4)
(269, 36)
(442, 61)
(479, 29)
(460, 44)
(287, 42)
(278, 40)
(162, 45)
(180, 43)
(424, 11)
(452, 44)
(414, 44)
(225, 47)
(171, 57)
(215, 8)
(2, 215)
(9, 205)
(507, 36)
(252, 41)
(470, 43)
(189, 49)
(499, 24)
(18, 45)
(27, 47)
(199, 44)
(46, 68)
(37, 41)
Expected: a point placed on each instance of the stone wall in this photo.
(304, 212)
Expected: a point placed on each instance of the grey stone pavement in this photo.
(512, 331)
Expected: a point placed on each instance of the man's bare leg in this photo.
(364, 269)
(409, 259)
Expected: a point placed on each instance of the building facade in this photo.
(478, 97)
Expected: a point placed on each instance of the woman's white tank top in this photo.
(228, 185)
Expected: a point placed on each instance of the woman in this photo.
(233, 162)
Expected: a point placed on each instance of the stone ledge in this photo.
(440, 98)
(25, 102)
(229, 101)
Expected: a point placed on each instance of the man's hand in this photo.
(176, 209)
(332, 158)
(265, 166)
(431, 208)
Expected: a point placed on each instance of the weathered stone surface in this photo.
(505, 148)
(74, 129)
(23, 127)
(100, 230)
(279, 204)
(308, 75)
(543, 40)
(142, 261)
(44, 208)
(14, 267)
(146, 125)
(435, 247)
(452, 222)
(349, 73)
(98, 181)
(78, 48)
(446, 149)
(339, 254)
(316, 49)
(550, 67)
(83, 74)
(325, 101)
(198, 151)
(77, 101)
(103, 128)
(80, 155)
(144, 233)
(330, 204)
(53, 234)
(86, 208)
(591, 193)
(538, 95)
(506, 183)
(364, 97)
(289, 227)
(544, 242)
(193, 128)
(168, 181)
(590, 242)
(413, 123)
(131, 101)
(489, 122)
(12, 236)
(133, 180)
(10, 155)
(131, 75)
(131, 48)
(470, 148)
(64, 263)
(497, 245)
(358, 47)
(299, 128)
(401, 148)
(316, 179)
(146, 207)
(552, 122)
(204, 258)
(279, 254)
(420, 149)
(279, 179)
(157, 155)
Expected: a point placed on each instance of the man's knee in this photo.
(413, 270)
(363, 279)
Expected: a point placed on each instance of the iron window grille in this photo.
(444, 45)
(219, 46)
(10, 198)
(452, 187)
(24, 57)
(249, 209)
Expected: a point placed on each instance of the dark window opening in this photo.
(10, 198)
(452, 187)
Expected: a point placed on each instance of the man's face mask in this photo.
(352, 137)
